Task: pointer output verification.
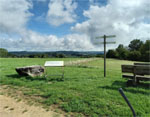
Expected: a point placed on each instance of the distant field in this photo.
(84, 91)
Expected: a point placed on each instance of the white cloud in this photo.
(61, 11)
(14, 15)
(77, 42)
(33, 41)
(125, 18)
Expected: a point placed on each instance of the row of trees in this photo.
(137, 50)
(5, 54)
(45, 55)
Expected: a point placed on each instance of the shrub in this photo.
(111, 54)
(134, 55)
(3, 52)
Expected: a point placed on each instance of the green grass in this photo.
(84, 91)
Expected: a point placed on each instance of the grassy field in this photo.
(84, 91)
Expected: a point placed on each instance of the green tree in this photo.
(111, 54)
(3, 52)
(135, 45)
(122, 52)
(134, 55)
(145, 51)
(61, 55)
(45, 56)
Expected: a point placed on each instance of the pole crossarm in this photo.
(109, 36)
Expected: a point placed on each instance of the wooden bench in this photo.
(138, 72)
(55, 64)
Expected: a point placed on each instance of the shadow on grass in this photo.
(42, 78)
(14, 76)
(145, 85)
(132, 89)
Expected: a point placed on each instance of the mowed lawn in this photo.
(84, 91)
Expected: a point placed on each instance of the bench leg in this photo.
(138, 81)
(44, 72)
(134, 81)
(63, 74)
(62, 77)
(134, 77)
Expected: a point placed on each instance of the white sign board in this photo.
(54, 63)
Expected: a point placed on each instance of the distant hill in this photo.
(56, 53)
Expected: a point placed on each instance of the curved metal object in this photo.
(127, 101)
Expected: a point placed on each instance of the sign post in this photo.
(104, 37)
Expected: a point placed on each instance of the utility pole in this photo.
(105, 37)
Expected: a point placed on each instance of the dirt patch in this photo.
(10, 107)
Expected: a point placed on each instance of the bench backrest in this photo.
(141, 63)
(136, 69)
(54, 64)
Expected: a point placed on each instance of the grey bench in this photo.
(138, 72)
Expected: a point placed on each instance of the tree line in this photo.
(5, 54)
(137, 50)
(58, 54)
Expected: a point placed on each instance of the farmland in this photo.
(84, 91)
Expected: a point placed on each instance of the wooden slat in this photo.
(142, 69)
(127, 76)
(141, 63)
(142, 78)
(109, 36)
(127, 68)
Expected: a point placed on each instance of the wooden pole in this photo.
(104, 37)
(104, 55)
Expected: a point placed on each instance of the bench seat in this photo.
(141, 78)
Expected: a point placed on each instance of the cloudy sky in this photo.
(48, 25)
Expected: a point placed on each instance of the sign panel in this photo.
(109, 36)
(100, 37)
(106, 43)
(54, 63)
